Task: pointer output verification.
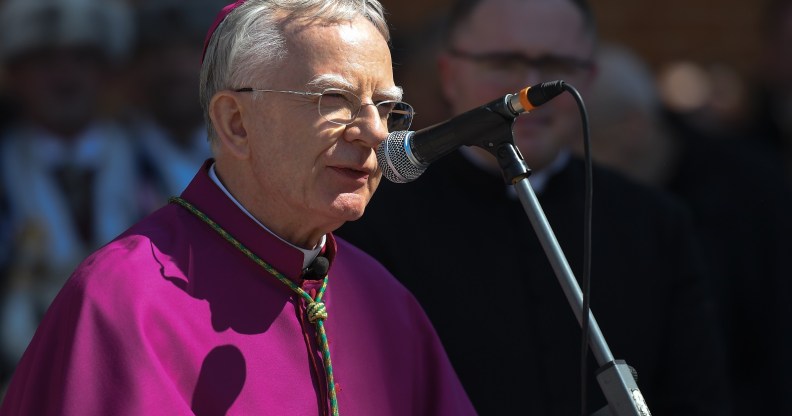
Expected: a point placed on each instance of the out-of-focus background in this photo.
(709, 59)
(100, 122)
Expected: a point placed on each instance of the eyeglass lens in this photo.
(342, 107)
(509, 65)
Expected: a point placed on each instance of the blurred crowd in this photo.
(100, 124)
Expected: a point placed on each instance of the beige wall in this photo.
(707, 32)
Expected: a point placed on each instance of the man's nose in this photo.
(368, 127)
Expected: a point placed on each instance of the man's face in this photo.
(58, 88)
(522, 42)
(168, 80)
(322, 173)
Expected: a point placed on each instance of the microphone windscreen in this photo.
(394, 160)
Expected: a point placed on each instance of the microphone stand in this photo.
(615, 377)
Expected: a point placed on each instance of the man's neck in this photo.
(308, 254)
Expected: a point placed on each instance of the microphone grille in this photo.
(394, 158)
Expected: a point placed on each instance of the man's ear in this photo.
(226, 111)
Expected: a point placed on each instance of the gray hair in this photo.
(251, 36)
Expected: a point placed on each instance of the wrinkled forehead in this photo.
(326, 81)
(349, 55)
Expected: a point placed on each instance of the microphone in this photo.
(317, 270)
(405, 155)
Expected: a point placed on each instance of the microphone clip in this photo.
(317, 270)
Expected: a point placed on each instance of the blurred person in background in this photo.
(6, 109)
(66, 168)
(774, 115)
(741, 207)
(165, 119)
(6, 252)
(625, 112)
(459, 238)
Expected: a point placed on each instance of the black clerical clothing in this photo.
(741, 206)
(460, 240)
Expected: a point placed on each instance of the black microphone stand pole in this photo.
(615, 377)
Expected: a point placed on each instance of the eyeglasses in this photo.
(342, 107)
(511, 65)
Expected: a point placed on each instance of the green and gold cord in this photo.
(316, 310)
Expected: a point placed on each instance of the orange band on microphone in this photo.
(527, 106)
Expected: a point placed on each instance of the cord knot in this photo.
(316, 310)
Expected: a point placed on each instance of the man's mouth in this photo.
(355, 173)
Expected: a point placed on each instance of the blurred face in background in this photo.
(506, 45)
(57, 87)
(777, 53)
(168, 73)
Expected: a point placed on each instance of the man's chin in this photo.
(349, 207)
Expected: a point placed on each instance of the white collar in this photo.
(538, 178)
(308, 255)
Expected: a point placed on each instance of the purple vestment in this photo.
(171, 319)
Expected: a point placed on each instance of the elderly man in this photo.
(222, 303)
(460, 240)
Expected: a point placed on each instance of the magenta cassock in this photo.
(171, 319)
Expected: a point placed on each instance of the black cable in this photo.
(586, 280)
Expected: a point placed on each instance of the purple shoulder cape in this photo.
(171, 319)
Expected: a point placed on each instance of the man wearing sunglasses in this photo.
(236, 298)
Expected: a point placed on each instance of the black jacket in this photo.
(463, 244)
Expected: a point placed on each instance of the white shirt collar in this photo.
(538, 178)
(308, 255)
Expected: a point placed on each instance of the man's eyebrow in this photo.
(392, 93)
(330, 81)
(325, 81)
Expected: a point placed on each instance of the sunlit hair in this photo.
(251, 38)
